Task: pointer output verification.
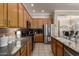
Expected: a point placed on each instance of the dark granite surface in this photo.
(7, 50)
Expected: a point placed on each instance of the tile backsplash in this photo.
(8, 31)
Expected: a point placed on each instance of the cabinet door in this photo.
(60, 49)
(40, 38)
(40, 23)
(23, 51)
(2, 22)
(35, 24)
(54, 46)
(12, 15)
(25, 19)
(27, 16)
(36, 38)
(5, 15)
(29, 47)
(21, 17)
(18, 53)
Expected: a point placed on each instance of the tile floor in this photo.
(42, 49)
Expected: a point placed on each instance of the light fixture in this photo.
(42, 11)
(33, 10)
(32, 5)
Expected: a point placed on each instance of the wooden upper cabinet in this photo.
(27, 15)
(44, 21)
(35, 23)
(40, 23)
(12, 15)
(21, 16)
(25, 19)
(2, 23)
(5, 15)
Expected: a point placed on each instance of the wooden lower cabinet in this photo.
(54, 47)
(38, 38)
(26, 49)
(60, 49)
(57, 47)
(23, 51)
(18, 53)
(29, 47)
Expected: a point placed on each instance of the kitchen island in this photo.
(58, 45)
(24, 49)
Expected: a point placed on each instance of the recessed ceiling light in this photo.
(33, 10)
(42, 11)
(32, 5)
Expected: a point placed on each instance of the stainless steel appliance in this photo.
(69, 52)
(47, 32)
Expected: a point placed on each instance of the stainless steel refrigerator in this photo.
(47, 32)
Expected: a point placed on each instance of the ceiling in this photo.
(49, 8)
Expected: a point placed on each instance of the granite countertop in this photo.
(10, 50)
(69, 43)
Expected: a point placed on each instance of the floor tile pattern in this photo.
(42, 49)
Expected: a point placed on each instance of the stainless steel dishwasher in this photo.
(69, 52)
